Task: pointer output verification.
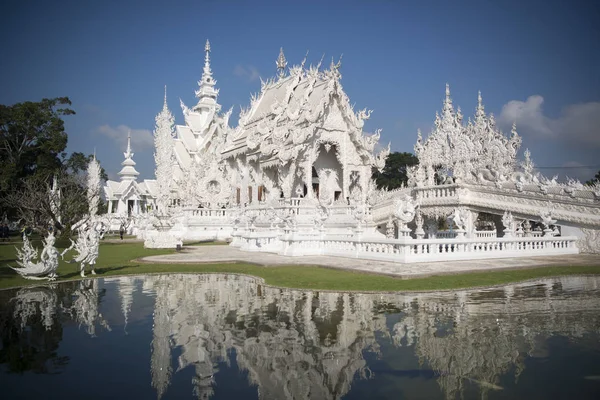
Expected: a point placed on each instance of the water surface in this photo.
(230, 337)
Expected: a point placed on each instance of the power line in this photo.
(579, 166)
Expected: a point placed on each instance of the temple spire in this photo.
(128, 172)
(281, 63)
(128, 153)
(165, 107)
(447, 109)
(207, 58)
(206, 93)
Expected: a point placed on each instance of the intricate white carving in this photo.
(47, 265)
(404, 211)
(460, 218)
(589, 242)
(91, 228)
(508, 222)
(164, 134)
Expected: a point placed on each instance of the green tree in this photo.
(394, 173)
(595, 180)
(77, 163)
(32, 139)
(32, 150)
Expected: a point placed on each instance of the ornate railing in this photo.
(424, 250)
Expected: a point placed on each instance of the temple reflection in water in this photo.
(294, 344)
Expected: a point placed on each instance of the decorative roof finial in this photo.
(206, 93)
(165, 102)
(447, 109)
(281, 63)
(128, 171)
(480, 111)
(207, 57)
(128, 153)
(336, 66)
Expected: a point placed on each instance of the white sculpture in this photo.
(163, 156)
(47, 265)
(404, 212)
(459, 218)
(509, 224)
(547, 221)
(87, 244)
(91, 228)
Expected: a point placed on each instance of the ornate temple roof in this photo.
(205, 126)
(291, 110)
(128, 172)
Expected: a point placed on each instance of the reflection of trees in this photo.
(298, 345)
(31, 323)
(30, 329)
(478, 336)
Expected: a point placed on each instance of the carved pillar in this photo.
(419, 232)
(365, 175)
(471, 220)
(308, 176)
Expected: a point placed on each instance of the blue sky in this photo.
(536, 62)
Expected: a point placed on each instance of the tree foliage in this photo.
(32, 139)
(41, 208)
(394, 173)
(32, 152)
(594, 180)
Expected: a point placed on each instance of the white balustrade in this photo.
(485, 234)
(408, 250)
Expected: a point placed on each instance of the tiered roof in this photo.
(290, 110)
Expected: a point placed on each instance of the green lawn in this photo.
(118, 259)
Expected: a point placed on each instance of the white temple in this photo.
(128, 198)
(295, 177)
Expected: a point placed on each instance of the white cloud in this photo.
(140, 138)
(248, 72)
(578, 123)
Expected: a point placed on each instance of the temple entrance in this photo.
(130, 206)
(329, 173)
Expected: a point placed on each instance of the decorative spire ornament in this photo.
(128, 172)
(480, 111)
(206, 93)
(281, 63)
(207, 57)
(128, 153)
(93, 186)
(164, 133)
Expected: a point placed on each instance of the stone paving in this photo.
(214, 254)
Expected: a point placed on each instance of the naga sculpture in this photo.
(46, 267)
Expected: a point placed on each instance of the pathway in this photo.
(216, 254)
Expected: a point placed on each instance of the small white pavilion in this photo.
(127, 197)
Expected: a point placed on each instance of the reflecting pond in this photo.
(230, 337)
